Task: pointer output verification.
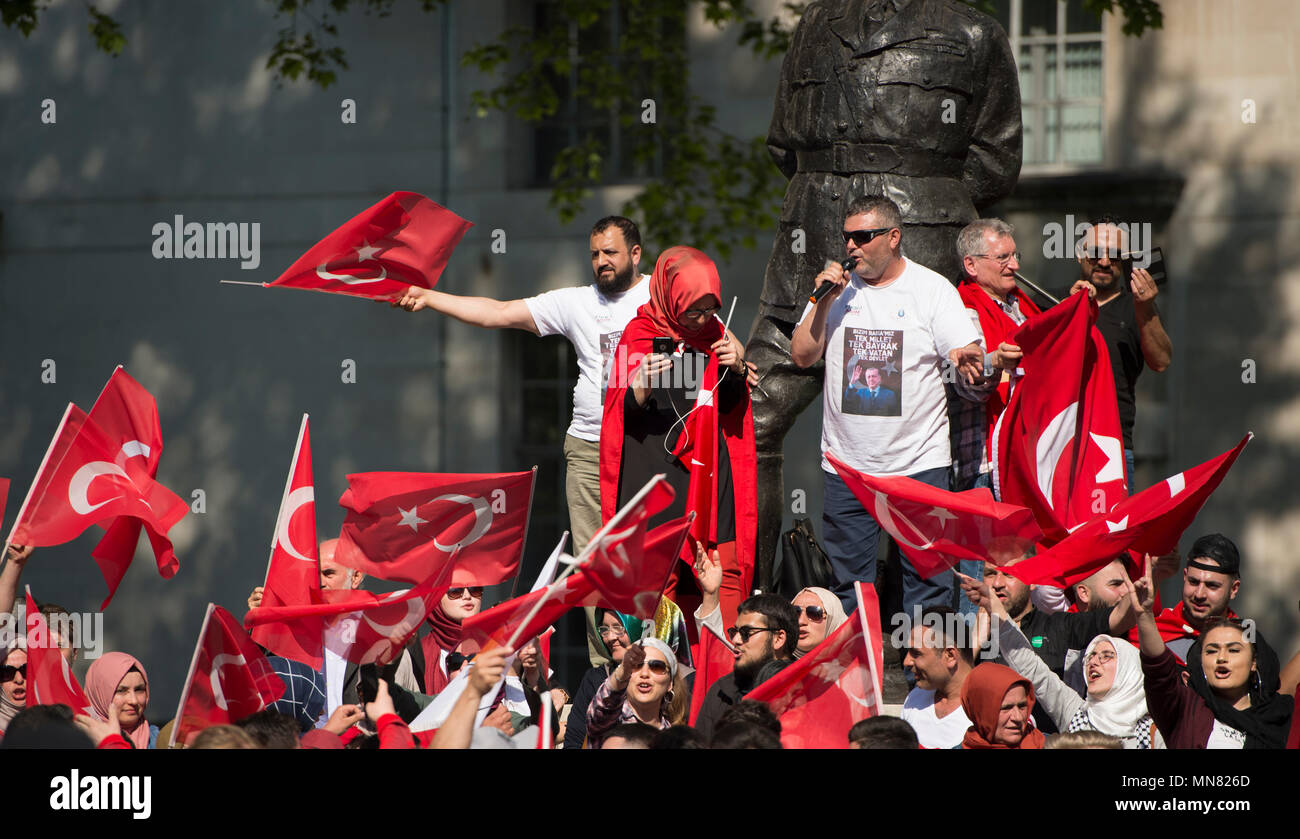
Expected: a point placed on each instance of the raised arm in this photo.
(808, 343)
(1157, 349)
(12, 573)
(476, 311)
(458, 730)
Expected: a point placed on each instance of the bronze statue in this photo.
(916, 100)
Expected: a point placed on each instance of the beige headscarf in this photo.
(835, 616)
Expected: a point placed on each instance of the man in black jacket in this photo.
(766, 630)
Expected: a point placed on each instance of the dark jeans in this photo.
(851, 534)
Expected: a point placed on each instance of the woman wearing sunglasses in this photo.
(820, 611)
(445, 634)
(640, 689)
(13, 684)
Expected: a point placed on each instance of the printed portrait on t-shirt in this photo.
(873, 379)
(608, 346)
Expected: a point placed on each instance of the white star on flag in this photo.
(410, 518)
(1114, 451)
(943, 515)
(1177, 483)
(1116, 527)
(367, 251)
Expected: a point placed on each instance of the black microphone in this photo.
(825, 288)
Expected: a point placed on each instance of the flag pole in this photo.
(871, 649)
(189, 678)
(240, 282)
(39, 470)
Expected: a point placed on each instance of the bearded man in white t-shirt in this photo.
(592, 317)
(909, 323)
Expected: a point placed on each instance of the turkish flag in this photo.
(936, 528)
(821, 695)
(630, 567)
(81, 483)
(293, 571)
(49, 679)
(229, 678)
(128, 415)
(358, 625)
(716, 658)
(4, 496)
(1058, 448)
(1150, 522)
(402, 241)
(405, 525)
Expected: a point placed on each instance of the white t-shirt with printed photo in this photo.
(593, 323)
(884, 408)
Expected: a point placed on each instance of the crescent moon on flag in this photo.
(1051, 445)
(482, 521)
(414, 614)
(134, 448)
(619, 563)
(296, 499)
(885, 515)
(348, 279)
(218, 695)
(80, 485)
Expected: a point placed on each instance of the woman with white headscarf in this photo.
(642, 688)
(1116, 702)
(820, 614)
(820, 611)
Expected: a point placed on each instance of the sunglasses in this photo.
(458, 593)
(747, 632)
(816, 614)
(656, 666)
(8, 671)
(862, 237)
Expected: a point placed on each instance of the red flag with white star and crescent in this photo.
(1150, 522)
(293, 570)
(404, 240)
(229, 678)
(406, 525)
(80, 483)
(937, 529)
(1058, 448)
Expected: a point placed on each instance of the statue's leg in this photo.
(783, 392)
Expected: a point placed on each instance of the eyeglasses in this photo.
(699, 314)
(862, 237)
(1101, 657)
(1001, 260)
(459, 592)
(656, 666)
(747, 632)
(815, 614)
(8, 671)
(613, 632)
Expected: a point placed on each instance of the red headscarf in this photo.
(681, 277)
(102, 680)
(982, 694)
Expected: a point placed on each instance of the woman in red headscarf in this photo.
(687, 415)
(999, 701)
